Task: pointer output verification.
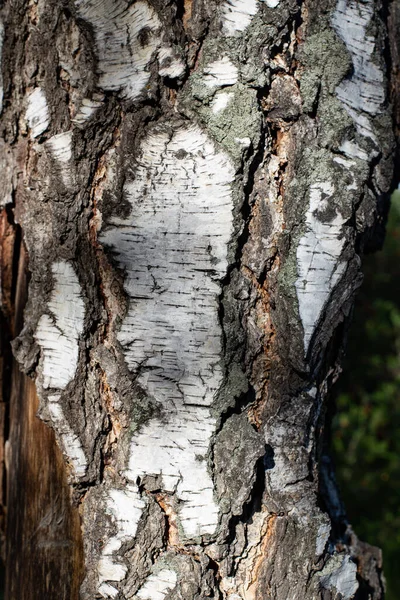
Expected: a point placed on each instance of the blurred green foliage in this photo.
(366, 428)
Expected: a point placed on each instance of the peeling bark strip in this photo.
(128, 38)
(195, 183)
(239, 13)
(318, 254)
(58, 332)
(37, 113)
(173, 248)
(364, 91)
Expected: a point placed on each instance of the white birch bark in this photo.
(195, 182)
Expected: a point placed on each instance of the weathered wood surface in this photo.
(44, 546)
(195, 182)
(9, 251)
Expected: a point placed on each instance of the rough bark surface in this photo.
(195, 182)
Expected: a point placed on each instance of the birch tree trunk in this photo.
(194, 183)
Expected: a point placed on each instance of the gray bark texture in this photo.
(194, 182)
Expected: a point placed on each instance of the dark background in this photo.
(366, 428)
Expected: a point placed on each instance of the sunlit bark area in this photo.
(187, 188)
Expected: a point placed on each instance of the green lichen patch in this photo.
(325, 63)
(335, 123)
(238, 126)
(231, 114)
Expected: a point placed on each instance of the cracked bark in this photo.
(195, 183)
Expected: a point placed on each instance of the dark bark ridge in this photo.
(195, 184)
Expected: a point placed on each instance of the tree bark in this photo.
(195, 182)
